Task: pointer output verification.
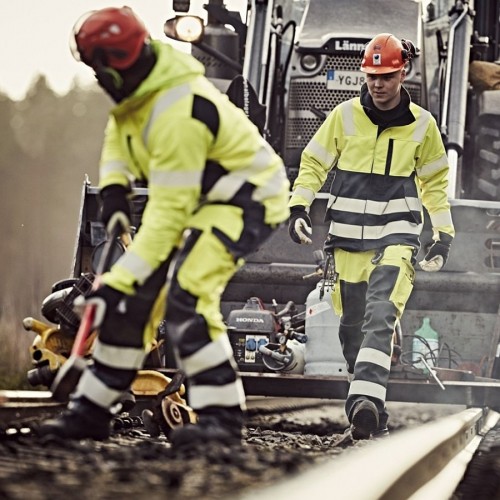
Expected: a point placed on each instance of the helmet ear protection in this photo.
(409, 51)
(104, 71)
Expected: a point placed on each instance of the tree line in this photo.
(49, 144)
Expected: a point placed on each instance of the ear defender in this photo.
(409, 51)
(116, 77)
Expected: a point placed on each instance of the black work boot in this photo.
(83, 419)
(382, 429)
(222, 425)
(364, 420)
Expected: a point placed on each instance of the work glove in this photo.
(437, 255)
(115, 207)
(300, 225)
(104, 299)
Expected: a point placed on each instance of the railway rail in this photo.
(426, 462)
(292, 447)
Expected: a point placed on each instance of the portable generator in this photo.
(248, 329)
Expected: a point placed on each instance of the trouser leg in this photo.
(121, 348)
(372, 368)
(194, 323)
(350, 334)
(389, 286)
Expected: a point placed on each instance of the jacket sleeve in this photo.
(113, 166)
(432, 171)
(178, 149)
(317, 159)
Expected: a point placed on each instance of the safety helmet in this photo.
(116, 35)
(386, 54)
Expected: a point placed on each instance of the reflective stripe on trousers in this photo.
(369, 298)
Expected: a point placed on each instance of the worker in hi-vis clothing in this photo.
(216, 192)
(388, 160)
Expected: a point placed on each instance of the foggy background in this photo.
(49, 143)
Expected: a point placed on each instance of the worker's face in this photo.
(385, 89)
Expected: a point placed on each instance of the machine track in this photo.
(291, 447)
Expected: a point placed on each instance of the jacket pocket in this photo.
(403, 286)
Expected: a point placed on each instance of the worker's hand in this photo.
(115, 207)
(300, 225)
(104, 299)
(436, 257)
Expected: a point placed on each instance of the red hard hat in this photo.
(385, 54)
(117, 32)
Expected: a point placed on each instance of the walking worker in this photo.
(389, 160)
(216, 192)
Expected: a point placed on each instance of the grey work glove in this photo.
(115, 207)
(436, 257)
(300, 225)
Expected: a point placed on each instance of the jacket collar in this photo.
(396, 117)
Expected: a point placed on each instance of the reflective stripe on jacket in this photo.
(382, 178)
(192, 146)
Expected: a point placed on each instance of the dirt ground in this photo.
(132, 464)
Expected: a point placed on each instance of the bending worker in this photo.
(389, 160)
(216, 192)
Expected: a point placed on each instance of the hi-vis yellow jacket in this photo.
(383, 175)
(192, 146)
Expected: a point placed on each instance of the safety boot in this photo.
(83, 419)
(222, 425)
(364, 420)
(382, 429)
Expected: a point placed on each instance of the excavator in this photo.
(287, 64)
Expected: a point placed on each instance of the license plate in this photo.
(344, 80)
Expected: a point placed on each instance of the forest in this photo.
(49, 145)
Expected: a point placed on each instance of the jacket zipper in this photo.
(388, 160)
